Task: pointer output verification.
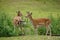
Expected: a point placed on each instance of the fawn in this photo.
(17, 21)
(38, 22)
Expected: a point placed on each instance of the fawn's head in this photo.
(19, 13)
(29, 14)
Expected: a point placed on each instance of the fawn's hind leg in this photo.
(48, 29)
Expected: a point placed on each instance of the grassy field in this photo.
(36, 37)
(39, 8)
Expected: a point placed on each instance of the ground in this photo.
(31, 37)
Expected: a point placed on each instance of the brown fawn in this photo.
(17, 21)
(38, 22)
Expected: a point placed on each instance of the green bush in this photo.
(42, 30)
(55, 25)
(6, 27)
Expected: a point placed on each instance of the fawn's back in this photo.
(41, 21)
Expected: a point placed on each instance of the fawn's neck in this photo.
(31, 19)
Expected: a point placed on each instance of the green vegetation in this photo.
(40, 9)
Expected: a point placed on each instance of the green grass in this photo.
(36, 37)
(37, 7)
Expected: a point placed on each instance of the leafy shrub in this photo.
(6, 27)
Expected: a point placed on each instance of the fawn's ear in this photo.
(17, 11)
(31, 13)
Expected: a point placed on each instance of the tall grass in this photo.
(7, 28)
